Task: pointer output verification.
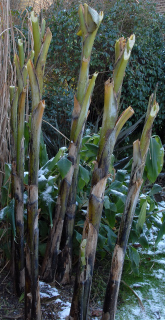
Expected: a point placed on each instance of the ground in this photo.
(55, 301)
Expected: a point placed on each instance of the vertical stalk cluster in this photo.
(17, 99)
(89, 24)
(36, 74)
(109, 132)
(140, 149)
(26, 276)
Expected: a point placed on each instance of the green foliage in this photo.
(146, 67)
(155, 159)
(5, 190)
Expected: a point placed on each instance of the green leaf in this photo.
(111, 237)
(120, 175)
(160, 233)
(84, 173)
(101, 241)
(81, 184)
(42, 181)
(106, 202)
(115, 185)
(7, 172)
(118, 194)
(42, 249)
(4, 212)
(85, 139)
(155, 156)
(43, 228)
(78, 236)
(43, 156)
(12, 216)
(26, 177)
(50, 165)
(110, 216)
(22, 296)
(92, 147)
(143, 241)
(155, 189)
(142, 217)
(64, 165)
(4, 195)
(135, 259)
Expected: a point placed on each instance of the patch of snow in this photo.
(46, 291)
(2, 214)
(65, 312)
(44, 295)
(159, 274)
(42, 178)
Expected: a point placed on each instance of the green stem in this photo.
(35, 90)
(140, 150)
(19, 202)
(36, 36)
(21, 53)
(32, 296)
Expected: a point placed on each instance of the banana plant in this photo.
(140, 149)
(89, 23)
(109, 132)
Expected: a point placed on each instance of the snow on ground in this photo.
(47, 292)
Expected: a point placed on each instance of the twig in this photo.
(5, 277)
(14, 316)
(4, 231)
(56, 130)
(4, 268)
(140, 302)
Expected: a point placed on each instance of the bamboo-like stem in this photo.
(32, 296)
(14, 106)
(83, 281)
(36, 73)
(89, 23)
(43, 28)
(109, 132)
(79, 116)
(123, 119)
(13, 122)
(19, 75)
(19, 203)
(19, 172)
(36, 36)
(41, 60)
(140, 149)
(49, 265)
(84, 109)
(88, 31)
(21, 53)
(35, 89)
(122, 60)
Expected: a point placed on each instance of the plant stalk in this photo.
(32, 295)
(140, 149)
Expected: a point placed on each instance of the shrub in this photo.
(145, 70)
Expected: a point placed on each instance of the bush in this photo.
(145, 70)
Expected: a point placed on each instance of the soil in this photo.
(12, 308)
